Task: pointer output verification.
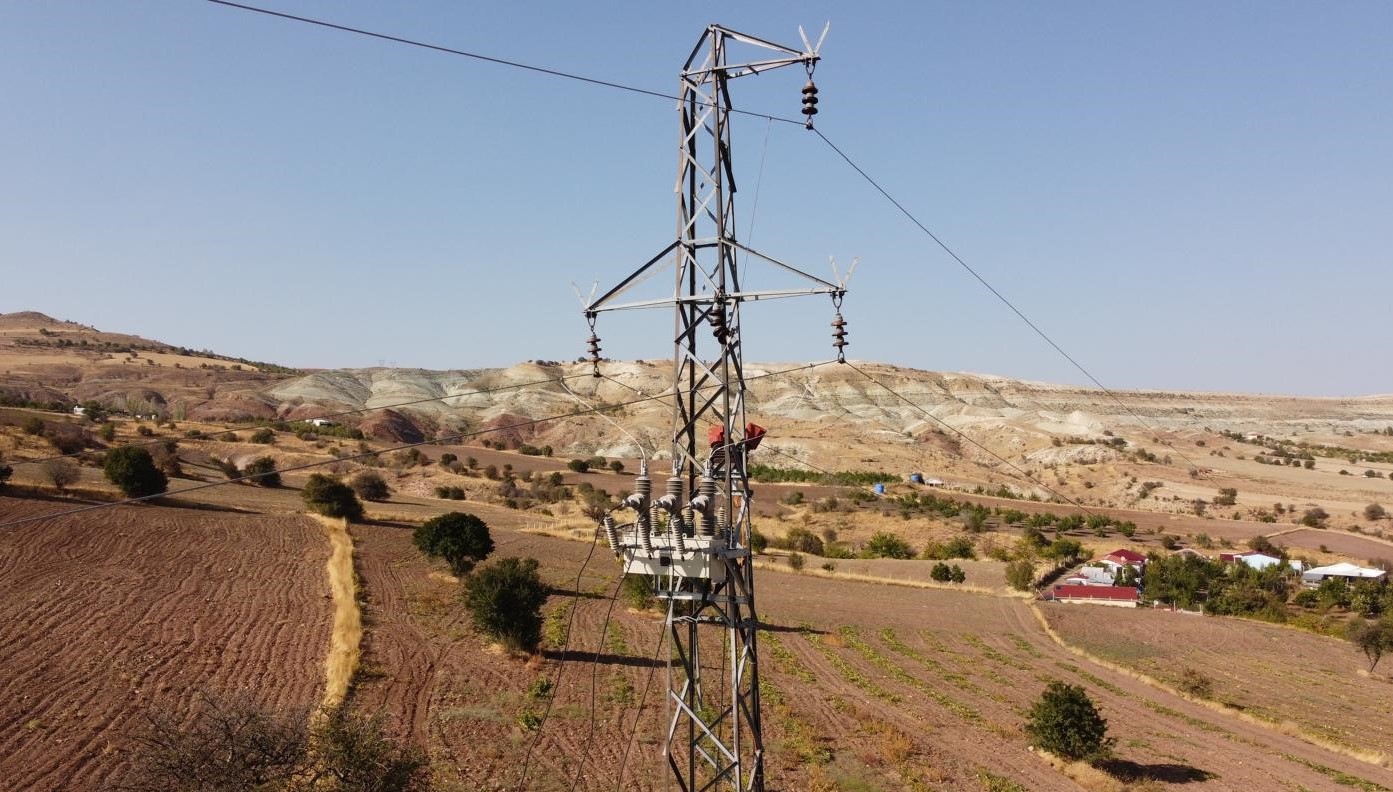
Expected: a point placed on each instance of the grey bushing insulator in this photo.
(643, 485)
(611, 533)
(645, 536)
(707, 487)
(679, 537)
(721, 521)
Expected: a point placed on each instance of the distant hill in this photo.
(969, 429)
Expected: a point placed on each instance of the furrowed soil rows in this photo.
(867, 687)
(107, 615)
(1270, 672)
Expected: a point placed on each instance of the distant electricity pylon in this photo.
(692, 540)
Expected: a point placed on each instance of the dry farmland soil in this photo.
(109, 615)
(1276, 674)
(865, 686)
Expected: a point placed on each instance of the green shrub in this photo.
(263, 469)
(1306, 598)
(505, 599)
(1065, 722)
(579, 465)
(461, 539)
(796, 561)
(450, 492)
(447, 458)
(758, 541)
(33, 425)
(1020, 574)
(263, 436)
(887, 545)
(802, 540)
(330, 497)
(133, 470)
(1314, 517)
(370, 486)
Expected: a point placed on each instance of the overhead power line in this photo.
(828, 141)
(400, 447)
(969, 439)
(995, 292)
(480, 57)
(561, 663)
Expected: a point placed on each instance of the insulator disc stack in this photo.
(839, 341)
(810, 102)
(719, 328)
(594, 347)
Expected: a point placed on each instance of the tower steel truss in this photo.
(693, 538)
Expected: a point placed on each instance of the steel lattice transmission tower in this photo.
(693, 537)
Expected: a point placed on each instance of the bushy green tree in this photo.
(887, 545)
(1020, 574)
(263, 471)
(330, 497)
(1065, 722)
(461, 539)
(62, 471)
(133, 470)
(579, 465)
(1064, 550)
(505, 599)
(800, 539)
(1181, 580)
(370, 486)
(1373, 638)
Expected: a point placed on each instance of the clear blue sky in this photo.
(1185, 195)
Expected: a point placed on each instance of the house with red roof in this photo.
(1129, 557)
(1115, 596)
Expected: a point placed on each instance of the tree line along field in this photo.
(109, 616)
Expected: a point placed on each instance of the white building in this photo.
(1350, 573)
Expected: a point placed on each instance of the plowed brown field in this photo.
(108, 615)
(868, 687)
(1274, 673)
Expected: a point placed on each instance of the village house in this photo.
(1113, 596)
(1351, 573)
(1258, 560)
